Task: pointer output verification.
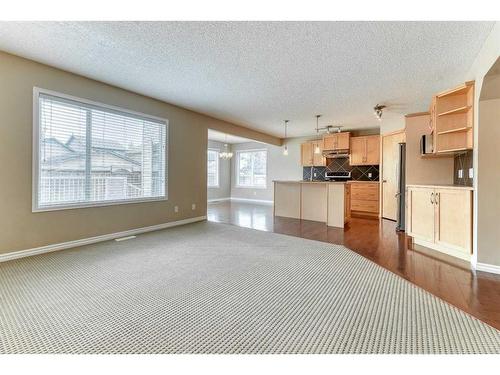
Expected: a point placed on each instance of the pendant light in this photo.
(285, 150)
(226, 154)
(317, 149)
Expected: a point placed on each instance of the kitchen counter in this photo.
(307, 182)
(325, 182)
(442, 186)
(322, 201)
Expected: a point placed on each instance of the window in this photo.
(213, 168)
(251, 168)
(89, 154)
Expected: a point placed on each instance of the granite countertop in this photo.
(324, 182)
(442, 186)
(308, 182)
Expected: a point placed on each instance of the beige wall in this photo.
(488, 203)
(420, 170)
(22, 229)
(489, 53)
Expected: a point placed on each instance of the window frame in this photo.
(36, 153)
(217, 151)
(237, 172)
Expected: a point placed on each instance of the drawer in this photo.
(366, 192)
(364, 205)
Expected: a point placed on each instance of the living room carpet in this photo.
(217, 288)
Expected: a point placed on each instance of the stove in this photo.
(337, 176)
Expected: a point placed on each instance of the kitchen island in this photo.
(322, 201)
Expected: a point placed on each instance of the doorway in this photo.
(390, 161)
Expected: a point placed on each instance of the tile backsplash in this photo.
(462, 162)
(358, 173)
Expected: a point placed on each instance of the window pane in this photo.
(252, 168)
(213, 168)
(91, 154)
(61, 167)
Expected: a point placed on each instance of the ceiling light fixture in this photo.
(226, 154)
(317, 149)
(377, 111)
(285, 150)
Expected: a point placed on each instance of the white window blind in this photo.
(213, 168)
(252, 168)
(90, 155)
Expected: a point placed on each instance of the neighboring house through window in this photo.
(251, 168)
(90, 154)
(213, 168)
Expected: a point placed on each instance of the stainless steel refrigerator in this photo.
(401, 194)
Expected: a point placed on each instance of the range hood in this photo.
(336, 154)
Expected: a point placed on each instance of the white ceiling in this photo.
(214, 135)
(257, 74)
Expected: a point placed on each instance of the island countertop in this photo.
(307, 182)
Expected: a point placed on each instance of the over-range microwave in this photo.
(426, 144)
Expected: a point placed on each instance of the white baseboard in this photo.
(218, 200)
(485, 267)
(260, 201)
(91, 240)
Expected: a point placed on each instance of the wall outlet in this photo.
(176, 209)
(193, 207)
(460, 173)
(369, 175)
(315, 174)
(471, 173)
(254, 193)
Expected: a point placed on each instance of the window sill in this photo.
(96, 204)
(251, 187)
(214, 187)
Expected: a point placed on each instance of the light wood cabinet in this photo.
(421, 213)
(365, 150)
(306, 153)
(318, 159)
(309, 157)
(452, 119)
(441, 219)
(364, 199)
(336, 141)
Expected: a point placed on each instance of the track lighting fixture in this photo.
(377, 111)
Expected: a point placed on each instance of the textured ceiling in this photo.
(257, 74)
(226, 138)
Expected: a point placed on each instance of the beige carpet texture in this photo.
(217, 288)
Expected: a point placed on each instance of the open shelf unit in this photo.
(452, 113)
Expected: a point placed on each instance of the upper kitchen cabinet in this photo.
(336, 141)
(306, 154)
(365, 150)
(452, 119)
(309, 157)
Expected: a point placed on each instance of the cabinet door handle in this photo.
(432, 198)
(437, 198)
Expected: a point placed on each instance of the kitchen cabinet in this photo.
(364, 198)
(441, 218)
(306, 152)
(336, 141)
(309, 157)
(365, 150)
(452, 119)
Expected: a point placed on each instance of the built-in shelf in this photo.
(457, 130)
(452, 150)
(460, 90)
(455, 111)
(434, 156)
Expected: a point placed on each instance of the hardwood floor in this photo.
(451, 280)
